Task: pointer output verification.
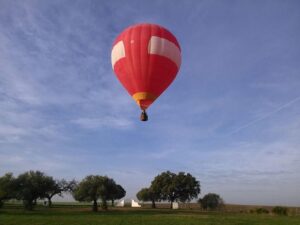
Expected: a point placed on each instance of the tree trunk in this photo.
(153, 204)
(112, 202)
(171, 206)
(28, 204)
(49, 202)
(104, 204)
(95, 205)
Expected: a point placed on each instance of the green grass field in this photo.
(68, 215)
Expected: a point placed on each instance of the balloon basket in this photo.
(144, 116)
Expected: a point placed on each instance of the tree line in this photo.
(180, 187)
(167, 186)
(34, 185)
(31, 186)
(171, 187)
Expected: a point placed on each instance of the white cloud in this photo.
(96, 123)
(53, 66)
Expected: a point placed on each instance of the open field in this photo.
(81, 215)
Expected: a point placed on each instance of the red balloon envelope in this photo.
(146, 59)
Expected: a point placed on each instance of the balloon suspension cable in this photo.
(144, 116)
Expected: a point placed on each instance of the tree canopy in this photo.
(57, 187)
(211, 201)
(147, 194)
(95, 187)
(30, 186)
(6, 188)
(175, 187)
(117, 192)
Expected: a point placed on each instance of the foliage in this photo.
(143, 195)
(92, 188)
(147, 194)
(261, 211)
(280, 210)
(187, 187)
(57, 187)
(175, 187)
(211, 201)
(116, 192)
(162, 185)
(30, 186)
(6, 188)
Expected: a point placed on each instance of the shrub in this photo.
(280, 210)
(262, 210)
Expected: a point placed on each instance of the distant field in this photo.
(66, 214)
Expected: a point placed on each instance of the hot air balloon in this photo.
(145, 59)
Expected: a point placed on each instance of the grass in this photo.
(69, 215)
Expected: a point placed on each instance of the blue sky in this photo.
(231, 118)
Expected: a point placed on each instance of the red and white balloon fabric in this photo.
(146, 59)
